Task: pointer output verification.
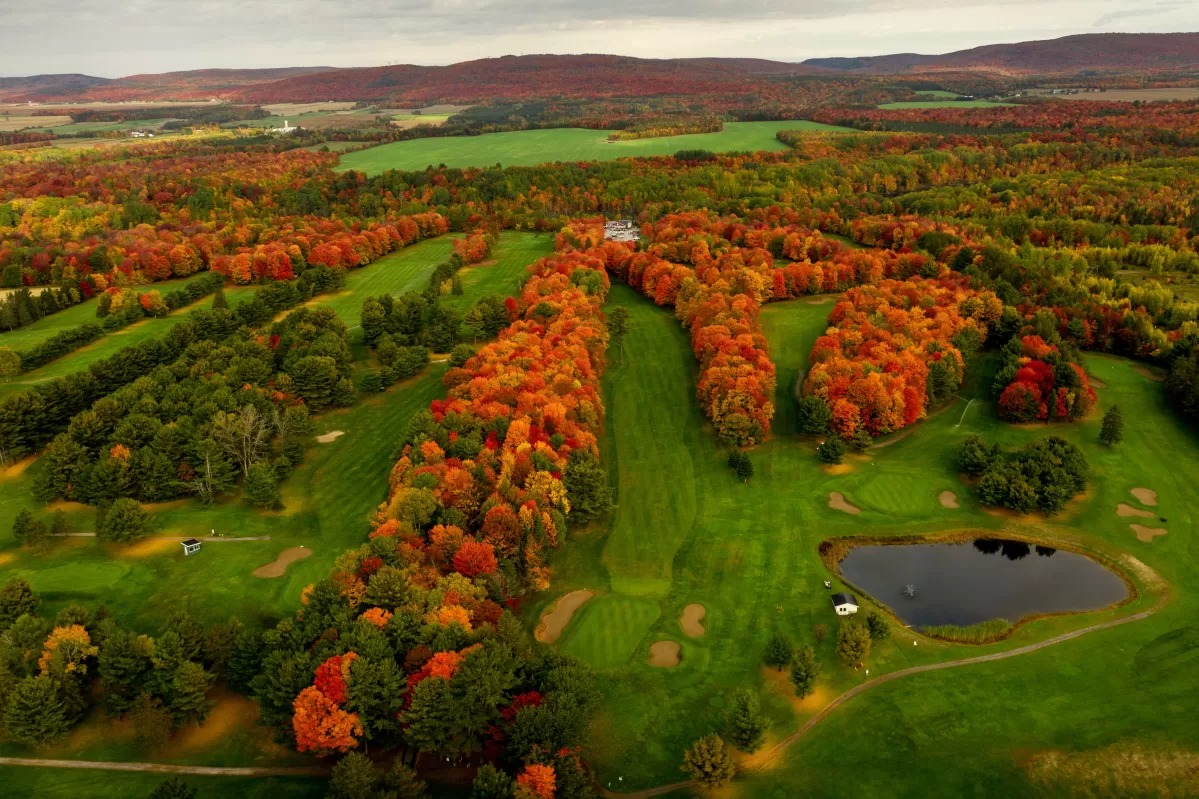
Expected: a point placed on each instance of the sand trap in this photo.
(554, 621)
(664, 654)
(279, 565)
(332, 435)
(836, 501)
(1129, 510)
(948, 499)
(1096, 383)
(690, 620)
(1145, 496)
(1147, 534)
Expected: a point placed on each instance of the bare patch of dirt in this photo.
(1094, 382)
(664, 654)
(836, 501)
(1129, 510)
(1145, 371)
(230, 712)
(7, 558)
(838, 469)
(279, 565)
(1145, 496)
(17, 468)
(1119, 770)
(780, 682)
(691, 620)
(145, 548)
(554, 621)
(332, 435)
(1147, 534)
(948, 499)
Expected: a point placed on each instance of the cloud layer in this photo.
(136, 36)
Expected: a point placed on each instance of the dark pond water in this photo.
(983, 579)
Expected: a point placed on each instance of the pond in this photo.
(987, 578)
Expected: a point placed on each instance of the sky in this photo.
(114, 39)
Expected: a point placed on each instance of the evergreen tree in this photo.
(877, 624)
(219, 301)
(124, 659)
(371, 383)
(10, 363)
(860, 441)
(173, 788)
(804, 672)
(344, 393)
(778, 652)
(814, 415)
(402, 783)
(745, 726)
(16, 600)
(37, 712)
(745, 468)
(245, 662)
(189, 700)
(1112, 432)
(151, 721)
(123, 521)
(618, 328)
(491, 783)
(353, 777)
(853, 643)
(461, 354)
(20, 525)
(262, 487)
(976, 457)
(586, 485)
(831, 451)
(709, 763)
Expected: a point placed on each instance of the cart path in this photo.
(791, 739)
(167, 768)
(203, 539)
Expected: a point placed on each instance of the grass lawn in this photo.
(942, 104)
(686, 530)
(46, 783)
(529, 147)
(937, 93)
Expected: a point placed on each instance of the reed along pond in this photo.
(987, 578)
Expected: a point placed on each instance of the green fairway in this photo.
(942, 104)
(328, 499)
(937, 93)
(685, 531)
(47, 783)
(529, 147)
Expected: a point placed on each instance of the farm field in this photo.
(529, 147)
(747, 553)
(1128, 95)
(942, 104)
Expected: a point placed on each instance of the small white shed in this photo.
(191, 546)
(845, 604)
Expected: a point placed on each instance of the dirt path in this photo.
(769, 755)
(166, 768)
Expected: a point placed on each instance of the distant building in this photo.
(191, 546)
(287, 128)
(621, 230)
(845, 604)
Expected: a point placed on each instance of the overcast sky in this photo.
(113, 39)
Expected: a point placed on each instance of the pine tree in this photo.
(745, 468)
(745, 725)
(219, 301)
(37, 712)
(878, 626)
(189, 702)
(814, 415)
(152, 723)
(16, 600)
(1112, 432)
(709, 763)
(402, 783)
(586, 485)
(831, 451)
(123, 521)
(778, 652)
(491, 783)
(354, 777)
(618, 328)
(20, 525)
(262, 487)
(804, 672)
(124, 658)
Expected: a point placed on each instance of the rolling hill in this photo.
(1098, 52)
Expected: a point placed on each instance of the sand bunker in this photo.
(1147, 534)
(819, 300)
(332, 435)
(279, 565)
(1096, 383)
(1129, 510)
(553, 622)
(664, 654)
(836, 501)
(690, 620)
(948, 499)
(1145, 496)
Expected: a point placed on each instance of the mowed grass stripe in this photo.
(530, 147)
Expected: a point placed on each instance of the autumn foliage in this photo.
(320, 724)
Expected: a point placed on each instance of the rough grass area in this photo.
(529, 147)
(982, 633)
(685, 530)
(45, 783)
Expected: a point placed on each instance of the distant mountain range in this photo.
(517, 77)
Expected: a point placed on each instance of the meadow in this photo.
(686, 530)
(529, 147)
